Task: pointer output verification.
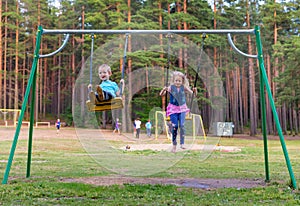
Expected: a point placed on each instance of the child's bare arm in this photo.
(163, 91)
(194, 91)
(122, 83)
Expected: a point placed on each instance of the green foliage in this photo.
(288, 91)
(144, 102)
(145, 14)
(67, 116)
(82, 118)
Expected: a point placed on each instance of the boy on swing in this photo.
(107, 89)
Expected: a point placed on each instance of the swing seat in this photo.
(188, 116)
(111, 104)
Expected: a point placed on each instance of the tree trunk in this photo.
(240, 127)
(291, 120)
(82, 112)
(245, 94)
(38, 68)
(45, 91)
(215, 27)
(185, 39)
(270, 122)
(1, 58)
(229, 95)
(180, 61)
(283, 111)
(147, 79)
(5, 57)
(24, 65)
(40, 87)
(295, 121)
(10, 78)
(235, 94)
(16, 98)
(58, 87)
(52, 89)
(275, 65)
(284, 119)
(252, 97)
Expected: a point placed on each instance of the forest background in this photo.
(279, 22)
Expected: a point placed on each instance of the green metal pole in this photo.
(31, 125)
(27, 92)
(264, 125)
(266, 82)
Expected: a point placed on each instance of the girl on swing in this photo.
(177, 107)
(107, 89)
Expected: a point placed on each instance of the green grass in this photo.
(54, 193)
(54, 158)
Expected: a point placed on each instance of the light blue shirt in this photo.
(109, 86)
(148, 125)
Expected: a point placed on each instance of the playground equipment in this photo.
(188, 116)
(115, 103)
(195, 125)
(9, 115)
(264, 85)
(111, 104)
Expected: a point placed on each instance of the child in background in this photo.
(57, 125)
(177, 107)
(117, 129)
(138, 123)
(148, 126)
(107, 88)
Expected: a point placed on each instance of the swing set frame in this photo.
(264, 86)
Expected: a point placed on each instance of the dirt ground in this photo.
(199, 183)
(43, 132)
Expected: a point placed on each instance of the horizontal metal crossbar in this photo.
(228, 32)
(220, 31)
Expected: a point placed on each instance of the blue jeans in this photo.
(177, 120)
(107, 95)
(148, 132)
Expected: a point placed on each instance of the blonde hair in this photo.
(185, 80)
(104, 66)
